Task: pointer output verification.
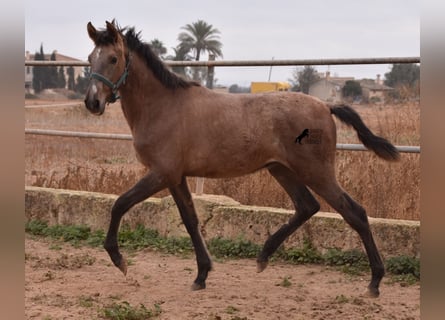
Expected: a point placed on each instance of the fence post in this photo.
(209, 84)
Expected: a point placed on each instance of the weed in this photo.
(71, 234)
(352, 262)
(86, 301)
(404, 265)
(231, 310)
(307, 254)
(239, 248)
(285, 282)
(124, 311)
(341, 299)
(96, 238)
(49, 275)
(406, 270)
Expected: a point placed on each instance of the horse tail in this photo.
(382, 147)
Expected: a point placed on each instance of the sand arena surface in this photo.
(64, 282)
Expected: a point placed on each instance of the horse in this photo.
(181, 129)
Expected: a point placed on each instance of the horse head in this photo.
(109, 67)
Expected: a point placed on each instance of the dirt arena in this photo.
(64, 282)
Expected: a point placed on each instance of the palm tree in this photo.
(199, 37)
(158, 47)
(180, 54)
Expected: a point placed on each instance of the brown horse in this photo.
(182, 129)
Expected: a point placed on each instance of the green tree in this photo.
(71, 80)
(352, 89)
(61, 81)
(180, 54)
(200, 37)
(197, 38)
(303, 78)
(38, 77)
(52, 76)
(405, 79)
(158, 47)
(403, 74)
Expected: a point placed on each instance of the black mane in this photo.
(153, 62)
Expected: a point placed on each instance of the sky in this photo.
(250, 30)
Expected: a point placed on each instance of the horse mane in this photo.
(132, 38)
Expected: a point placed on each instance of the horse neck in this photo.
(140, 91)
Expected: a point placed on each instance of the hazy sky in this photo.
(286, 29)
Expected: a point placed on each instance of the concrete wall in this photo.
(219, 216)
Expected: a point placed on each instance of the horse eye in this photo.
(113, 60)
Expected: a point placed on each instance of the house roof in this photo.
(337, 81)
(372, 85)
(59, 57)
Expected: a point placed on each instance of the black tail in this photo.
(382, 147)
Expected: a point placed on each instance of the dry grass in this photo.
(388, 190)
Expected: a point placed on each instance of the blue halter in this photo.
(113, 86)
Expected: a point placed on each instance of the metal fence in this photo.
(251, 63)
(211, 64)
(120, 136)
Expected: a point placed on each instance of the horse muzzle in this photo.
(92, 101)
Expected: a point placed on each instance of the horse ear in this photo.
(92, 32)
(112, 30)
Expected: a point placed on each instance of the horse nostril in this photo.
(92, 105)
(96, 105)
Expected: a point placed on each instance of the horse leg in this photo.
(355, 215)
(183, 199)
(147, 186)
(305, 204)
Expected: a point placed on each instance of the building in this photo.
(374, 90)
(329, 89)
(78, 71)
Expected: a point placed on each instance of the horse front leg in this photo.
(183, 199)
(147, 186)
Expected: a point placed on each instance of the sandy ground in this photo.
(64, 282)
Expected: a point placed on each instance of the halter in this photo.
(113, 86)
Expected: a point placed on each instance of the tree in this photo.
(352, 89)
(52, 76)
(38, 77)
(71, 81)
(405, 79)
(158, 47)
(403, 74)
(234, 88)
(181, 54)
(303, 78)
(61, 81)
(200, 37)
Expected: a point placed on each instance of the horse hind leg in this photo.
(355, 215)
(183, 199)
(305, 204)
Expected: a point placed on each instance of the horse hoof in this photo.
(198, 286)
(371, 293)
(123, 266)
(261, 265)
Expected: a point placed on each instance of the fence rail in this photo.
(119, 136)
(210, 64)
(250, 63)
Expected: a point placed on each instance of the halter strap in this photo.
(113, 86)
